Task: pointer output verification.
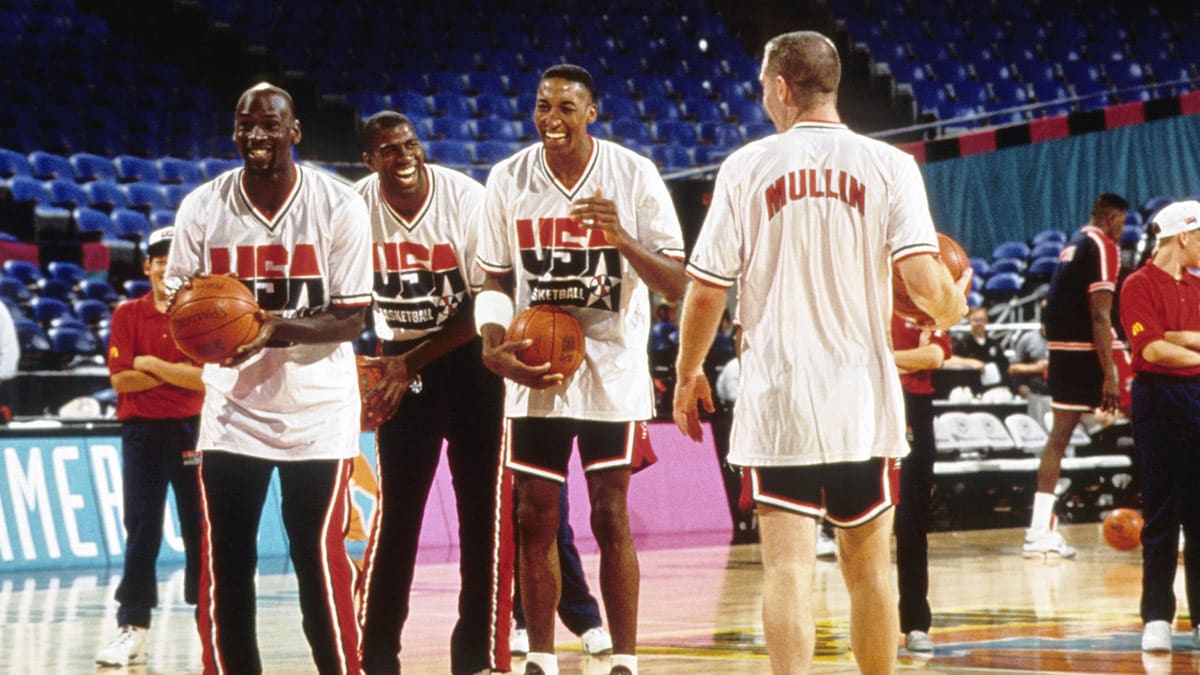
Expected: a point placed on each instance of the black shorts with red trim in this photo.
(541, 446)
(1075, 380)
(847, 494)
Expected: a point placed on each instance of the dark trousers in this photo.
(462, 403)
(1166, 435)
(577, 608)
(314, 503)
(912, 514)
(152, 456)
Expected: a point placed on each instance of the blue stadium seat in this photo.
(92, 223)
(92, 312)
(47, 166)
(748, 112)
(1131, 235)
(211, 167)
(974, 299)
(174, 194)
(618, 107)
(485, 82)
(67, 341)
(671, 156)
(46, 309)
(28, 189)
(675, 131)
(13, 163)
(132, 169)
(1011, 249)
(104, 196)
(23, 271)
(704, 155)
(136, 288)
(691, 89)
(1007, 265)
(98, 289)
(703, 110)
(974, 93)
(1000, 287)
(162, 218)
(1041, 269)
(445, 83)
(55, 288)
(144, 197)
(1153, 206)
(660, 109)
(411, 103)
(67, 272)
(1046, 249)
(648, 87)
(173, 170)
(526, 129)
(89, 167)
(492, 128)
(493, 105)
(1049, 236)
(624, 128)
(452, 105)
(490, 152)
(15, 290)
(31, 336)
(450, 127)
(450, 153)
(66, 193)
(724, 136)
(981, 267)
(757, 130)
(130, 224)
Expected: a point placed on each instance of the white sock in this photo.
(1043, 511)
(627, 660)
(547, 662)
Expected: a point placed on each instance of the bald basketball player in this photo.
(808, 223)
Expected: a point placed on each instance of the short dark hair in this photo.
(387, 119)
(1109, 202)
(572, 73)
(807, 60)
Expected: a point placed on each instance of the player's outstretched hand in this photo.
(502, 360)
(266, 329)
(596, 212)
(691, 391)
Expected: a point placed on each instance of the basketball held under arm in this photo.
(932, 290)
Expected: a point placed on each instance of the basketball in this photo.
(212, 317)
(1123, 529)
(557, 338)
(952, 256)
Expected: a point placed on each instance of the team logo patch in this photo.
(569, 264)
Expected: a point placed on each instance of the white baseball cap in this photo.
(1177, 217)
(159, 241)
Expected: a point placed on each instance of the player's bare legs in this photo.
(620, 576)
(789, 556)
(541, 583)
(864, 553)
(1057, 440)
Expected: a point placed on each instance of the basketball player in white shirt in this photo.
(808, 223)
(300, 241)
(424, 223)
(588, 226)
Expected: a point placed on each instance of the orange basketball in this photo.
(557, 338)
(952, 256)
(1123, 529)
(212, 317)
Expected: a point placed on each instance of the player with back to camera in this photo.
(423, 232)
(288, 401)
(1160, 311)
(1082, 374)
(159, 394)
(588, 226)
(820, 418)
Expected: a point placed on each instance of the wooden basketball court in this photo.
(994, 612)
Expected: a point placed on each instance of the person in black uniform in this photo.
(423, 236)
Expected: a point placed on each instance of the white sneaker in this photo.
(518, 642)
(596, 641)
(1156, 636)
(127, 648)
(826, 545)
(918, 641)
(1040, 543)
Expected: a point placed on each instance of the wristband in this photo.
(492, 307)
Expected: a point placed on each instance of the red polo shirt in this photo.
(906, 335)
(1153, 302)
(138, 328)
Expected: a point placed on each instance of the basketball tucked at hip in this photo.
(212, 316)
(1123, 529)
(557, 338)
(952, 256)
